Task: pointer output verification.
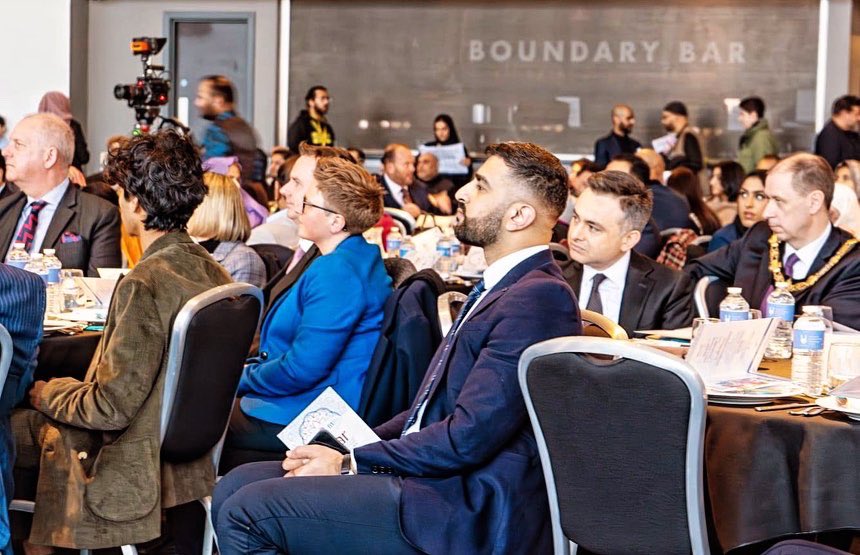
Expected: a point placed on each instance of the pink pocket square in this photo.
(69, 237)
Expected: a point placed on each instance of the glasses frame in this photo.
(323, 208)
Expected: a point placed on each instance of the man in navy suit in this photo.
(459, 471)
(22, 309)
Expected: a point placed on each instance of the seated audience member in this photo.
(459, 471)
(94, 444)
(656, 164)
(844, 209)
(48, 212)
(750, 207)
(57, 103)
(438, 186)
(686, 183)
(324, 330)
(398, 181)
(577, 180)
(767, 162)
(650, 243)
(22, 310)
(605, 273)
(6, 188)
(229, 166)
(848, 173)
(670, 208)
(221, 226)
(796, 244)
(279, 228)
(725, 182)
(357, 154)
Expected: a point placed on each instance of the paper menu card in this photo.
(730, 350)
(328, 412)
(850, 389)
(449, 157)
(664, 144)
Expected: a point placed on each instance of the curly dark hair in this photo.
(538, 169)
(163, 171)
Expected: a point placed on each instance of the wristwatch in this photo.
(346, 464)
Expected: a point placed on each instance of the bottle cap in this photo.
(735, 290)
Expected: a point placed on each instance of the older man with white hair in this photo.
(48, 211)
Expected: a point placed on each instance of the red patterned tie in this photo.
(28, 230)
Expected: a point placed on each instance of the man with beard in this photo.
(686, 151)
(311, 126)
(228, 134)
(459, 471)
(618, 141)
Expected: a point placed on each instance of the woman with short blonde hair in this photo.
(221, 226)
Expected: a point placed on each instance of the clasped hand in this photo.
(312, 460)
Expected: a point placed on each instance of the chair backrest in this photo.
(275, 257)
(666, 233)
(707, 295)
(399, 270)
(702, 240)
(5, 355)
(403, 217)
(449, 305)
(208, 344)
(559, 252)
(407, 341)
(595, 324)
(621, 445)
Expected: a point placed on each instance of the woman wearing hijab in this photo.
(445, 133)
(57, 103)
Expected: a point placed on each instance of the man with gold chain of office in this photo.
(796, 243)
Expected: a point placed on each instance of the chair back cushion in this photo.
(616, 433)
(399, 269)
(216, 344)
(275, 257)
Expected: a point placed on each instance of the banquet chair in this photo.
(275, 257)
(595, 324)
(621, 445)
(204, 363)
(5, 355)
(559, 252)
(707, 297)
(399, 269)
(449, 305)
(404, 217)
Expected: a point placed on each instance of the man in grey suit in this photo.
(48, 211)
(606, 274)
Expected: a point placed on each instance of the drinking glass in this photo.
(73, 293)
(843, 362)
(698, 323)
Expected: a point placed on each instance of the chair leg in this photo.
(209, 530)
(129, 550)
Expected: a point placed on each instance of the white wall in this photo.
(35, 47)
(112, 26)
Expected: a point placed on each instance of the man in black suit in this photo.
(398, 181)
(796, 243)
(48, 211)
(605, 272)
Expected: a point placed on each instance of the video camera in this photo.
(150, 92)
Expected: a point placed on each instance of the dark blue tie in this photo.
(473, 297)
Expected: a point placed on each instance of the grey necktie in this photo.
(594, 302)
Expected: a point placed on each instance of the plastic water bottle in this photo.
(807, 362)
(780, 304)
(53, 264)
(37, 266)
(406, 246)
(456, 252)
(393, 241)
(18, 257)
(443, 252)
(734, 306)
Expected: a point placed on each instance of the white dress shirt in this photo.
(494, 273)
(52, 199)
(806, 255)
(611, 289)
(395, 189)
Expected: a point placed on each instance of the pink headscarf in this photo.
(56, 103)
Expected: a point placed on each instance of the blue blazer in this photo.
(321, 333)
(472, 480)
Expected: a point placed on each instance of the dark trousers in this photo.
(247, 432)
(257, 510)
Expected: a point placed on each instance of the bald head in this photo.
(655, 162)
(623, 119)
(39, 153)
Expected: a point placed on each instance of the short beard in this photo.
(480, 232)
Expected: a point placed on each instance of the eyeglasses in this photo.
(323, 208)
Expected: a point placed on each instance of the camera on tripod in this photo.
(150, 92)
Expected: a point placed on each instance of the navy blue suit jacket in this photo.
(472, 480)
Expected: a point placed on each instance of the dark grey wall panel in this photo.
(404, 62)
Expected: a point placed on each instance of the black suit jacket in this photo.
(85, 230)
(654, 297)
(418, 192)
(744, 263)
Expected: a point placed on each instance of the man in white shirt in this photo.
(796, 243)
(459, 471)
(48, 212)
(607, 275)
(398, 180)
